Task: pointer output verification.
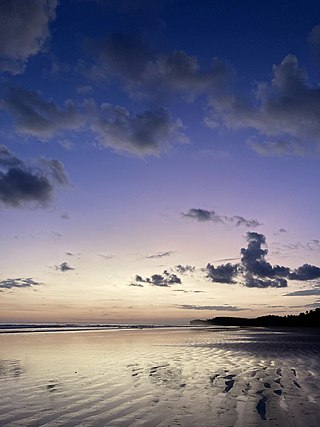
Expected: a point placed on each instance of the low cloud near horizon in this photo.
(253, 270)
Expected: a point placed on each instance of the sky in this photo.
(159, 160)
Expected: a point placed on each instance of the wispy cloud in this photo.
(304, 292)
(204, 215)
(159, 255)
(211, 307)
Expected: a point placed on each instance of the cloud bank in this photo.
(283, 114)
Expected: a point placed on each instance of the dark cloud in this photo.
(203, 215)
(65, 215)
(165, 279)
(183, 269)
(254, 263)
(37, 117)
(159, 255)
(305, 272)
(20, 184)
(24, 29)
(18, 283)
(144, 72)
(63, 267)
(147, 133)
(284, 115)
(257, 282)
(225, 273)
(254, 271)
(211, 307)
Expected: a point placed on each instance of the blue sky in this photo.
(159, 160)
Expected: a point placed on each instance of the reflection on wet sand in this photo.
(188, 377)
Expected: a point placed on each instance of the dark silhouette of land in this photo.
(310, 319)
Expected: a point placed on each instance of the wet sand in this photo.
(162, 377)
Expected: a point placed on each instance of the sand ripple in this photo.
(189, 377)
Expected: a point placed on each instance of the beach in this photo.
(160, 377)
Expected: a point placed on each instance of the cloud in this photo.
(146, 73)
(183, 269)
(165, 279)
(7, 159)
(20, 183)
(211, 307)
(63, 267)
(314, 40)
(24, 29)
(305, 272)
(253, 258)
(312, 245)
(109, 256)
(37, 117)
(56, 170)
(139, 285)
(203, 215)
(315, 304)
(254, 271)
(225, 273)
(284, 115)
(18, 186)
(304, 292)
(159, 255)
(256, 282)
(18, 283)
(147, 133)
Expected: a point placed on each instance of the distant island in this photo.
(310, 319)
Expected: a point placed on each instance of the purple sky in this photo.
(159, 161)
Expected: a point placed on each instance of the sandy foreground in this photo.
(161, 377)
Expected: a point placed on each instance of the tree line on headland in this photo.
(309, 319)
